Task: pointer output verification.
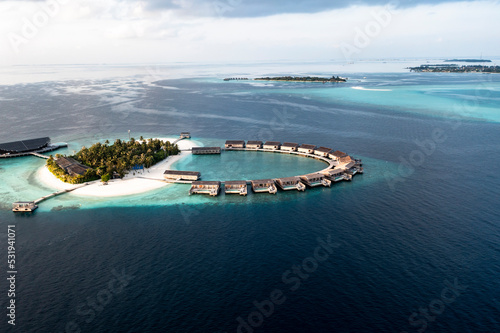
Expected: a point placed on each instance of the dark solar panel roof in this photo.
(24, 146)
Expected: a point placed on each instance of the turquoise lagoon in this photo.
(21, 182)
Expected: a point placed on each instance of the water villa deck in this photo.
(235, 144)
(316, 179)
(272, 145)
(24, 206)
(264, 185)
(335, 175)
(205, 187)
(290, 183)
(337, 155)
(254, 145)
(289, 146)
(322, 151)
(205, 150)
(236, 187)
(181, 175)
(306, 149)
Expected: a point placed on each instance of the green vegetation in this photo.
(303, 79)
(121, 156)
(57, 171)
(453, 68)
(105, 160)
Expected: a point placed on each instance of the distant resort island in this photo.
(293, 79)
(467, 60)
(454, 68)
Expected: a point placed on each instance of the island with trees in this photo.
(467, 60)
(453, 68)
(303, 79)
(104, 161)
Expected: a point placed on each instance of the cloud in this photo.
(260, 8)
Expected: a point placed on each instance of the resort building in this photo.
(264, 185)
(24, 146)
(290, 183)
(71, 166)
(24, 206)
(347, 162)
(334, 175)
(316, 179)
(205, 150)
(205, 187)
(289, 146)
(254, 144)
(235, 144)
(307, 149)
(236, 187)
(272, 145)
(336, 155)
(181, 175)
(185, 135)
(322, 151)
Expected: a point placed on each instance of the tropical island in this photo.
(105, 161)
(454, 68)
(303, 79)
(467, 60)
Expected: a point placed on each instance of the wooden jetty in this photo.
(30, 206)
(205, 150)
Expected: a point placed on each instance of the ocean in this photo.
(412, 245)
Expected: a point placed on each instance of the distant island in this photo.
(467, 60)
(453, 68)
(303, 79)
(105, 161)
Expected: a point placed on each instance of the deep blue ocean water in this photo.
(424, 217)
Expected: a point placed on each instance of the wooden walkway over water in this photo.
(58, 193)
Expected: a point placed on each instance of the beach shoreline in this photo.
(134, 182)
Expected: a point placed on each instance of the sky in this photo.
(164, 31)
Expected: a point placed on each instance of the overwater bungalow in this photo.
(181, 175)
(235, 144)
(290, 183)
(236, 187)
(205, 150)
(264, 185)
(185, 135)
(272, 145)
(205, 187)
(24, 146)
(322, 151)
(71, 166)
(347, 162)
(24, 206)
(336, 155)
(335, 175)
(307, 149)
(316, 179)
(289, 146)
(254, 144)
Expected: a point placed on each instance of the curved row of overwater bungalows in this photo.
(304, 148)
(344, 168)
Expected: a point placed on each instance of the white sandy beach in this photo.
(130, 184)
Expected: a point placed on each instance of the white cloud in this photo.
(114, 31)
